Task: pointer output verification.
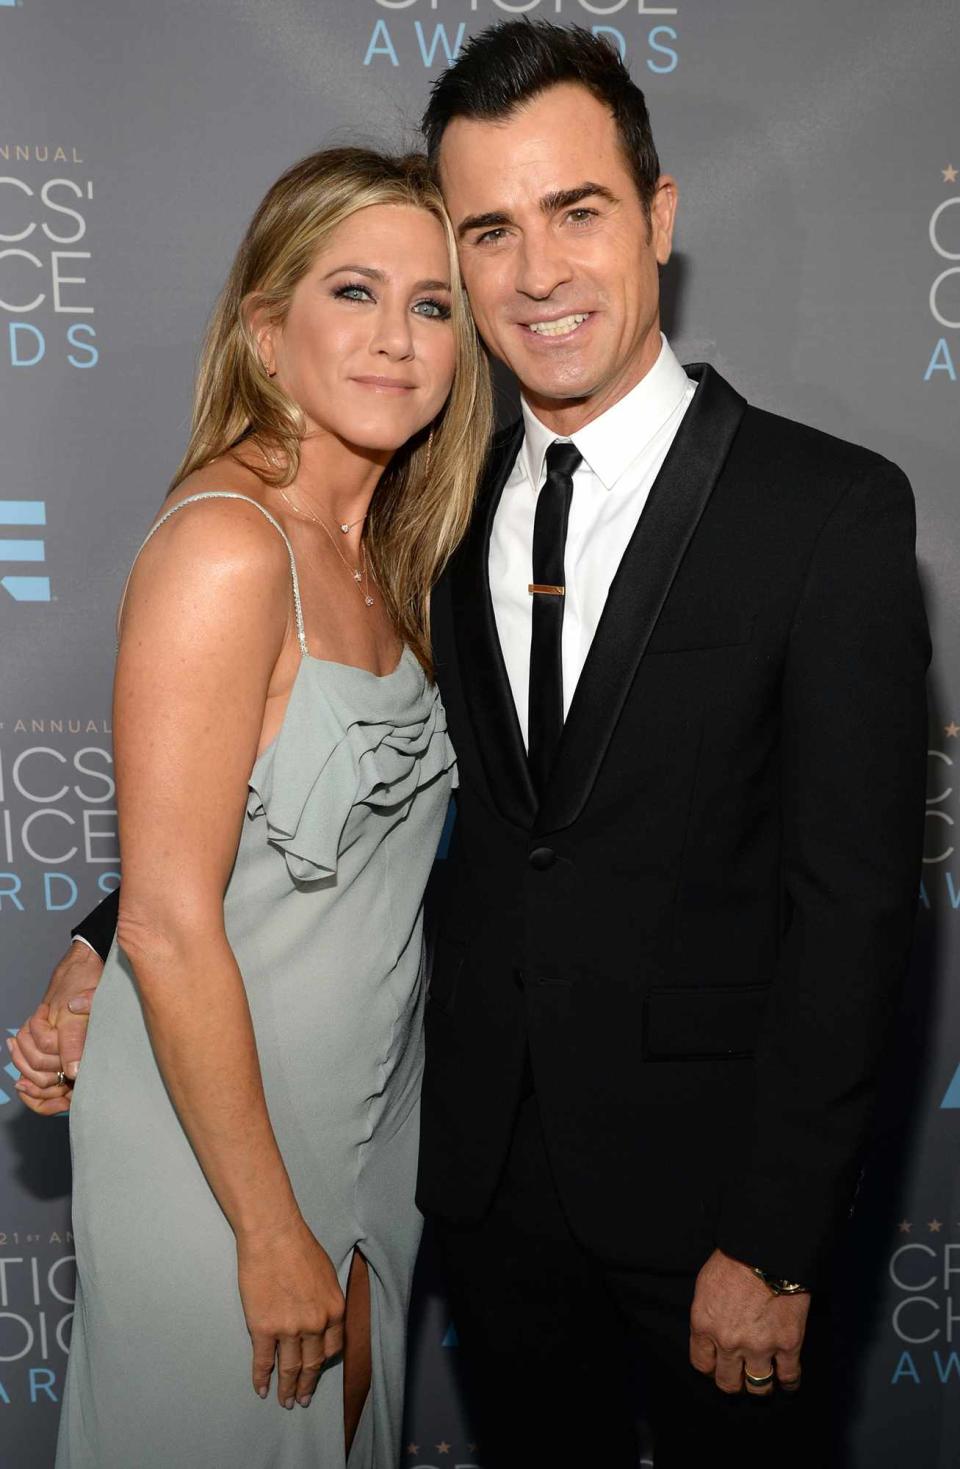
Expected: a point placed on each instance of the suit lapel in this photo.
(484, 676)
(639, 589)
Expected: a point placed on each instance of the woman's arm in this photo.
(204, 625)
(205, 640)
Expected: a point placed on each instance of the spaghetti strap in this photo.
(226, 495)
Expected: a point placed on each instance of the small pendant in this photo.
(345, 528)
(357, 576)
(369, 601)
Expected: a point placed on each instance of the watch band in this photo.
(779, 1286)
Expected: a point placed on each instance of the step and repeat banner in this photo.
(817, 148)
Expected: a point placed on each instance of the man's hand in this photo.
(52, 1039)
(737, 1325)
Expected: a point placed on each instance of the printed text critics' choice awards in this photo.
(430, 32)
(47, 297)
(58, 821)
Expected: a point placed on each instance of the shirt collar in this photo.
(610, 442)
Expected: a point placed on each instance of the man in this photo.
(672, 931)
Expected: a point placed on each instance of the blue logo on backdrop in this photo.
(951, 1097)
(21, 549)
(10, 1069)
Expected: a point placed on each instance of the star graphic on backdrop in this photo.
(904, 1226)
(443, 1447)
(949, 174)
(951, 730)
(413, 1448)
(935, 1226)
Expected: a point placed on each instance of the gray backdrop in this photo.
(818, 266)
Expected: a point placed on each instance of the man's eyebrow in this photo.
(559, 199)
(377, 275)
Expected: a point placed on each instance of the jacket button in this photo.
(542, 857)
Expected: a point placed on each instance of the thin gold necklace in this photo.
(359, 575)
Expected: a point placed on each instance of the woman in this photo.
(245, 1125)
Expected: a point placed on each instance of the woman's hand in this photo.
(294, 1309)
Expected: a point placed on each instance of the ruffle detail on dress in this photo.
(375, 743)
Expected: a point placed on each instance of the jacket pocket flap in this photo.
(688, 1023)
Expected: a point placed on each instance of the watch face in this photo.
(778, 1286)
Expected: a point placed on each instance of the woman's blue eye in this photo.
(435, 309)
(352, 293)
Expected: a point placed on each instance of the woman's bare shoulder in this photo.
(214, 547)
(225, 529)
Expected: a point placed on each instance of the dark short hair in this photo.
(508, 64)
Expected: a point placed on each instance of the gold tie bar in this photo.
(539, 589)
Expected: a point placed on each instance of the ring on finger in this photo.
(758, 1381)
(61, 1079)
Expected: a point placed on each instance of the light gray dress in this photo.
(324, 914)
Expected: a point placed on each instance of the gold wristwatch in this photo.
(778, 1286)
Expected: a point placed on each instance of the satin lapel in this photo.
(639, 589)
(482, 670)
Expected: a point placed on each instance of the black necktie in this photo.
(547, 590)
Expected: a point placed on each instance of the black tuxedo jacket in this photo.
(701, 932)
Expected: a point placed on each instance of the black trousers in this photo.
(562, 1356)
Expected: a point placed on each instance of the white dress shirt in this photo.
(622, 450)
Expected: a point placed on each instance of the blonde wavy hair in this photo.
(423, 502)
